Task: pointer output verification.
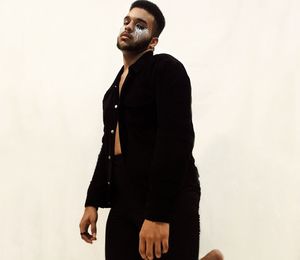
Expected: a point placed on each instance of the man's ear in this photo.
(153, 42)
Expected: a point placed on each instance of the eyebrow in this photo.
(137, 19)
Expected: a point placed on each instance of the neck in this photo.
(130, 58)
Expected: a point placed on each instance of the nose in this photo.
(129, 27)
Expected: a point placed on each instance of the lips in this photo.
(125, 34)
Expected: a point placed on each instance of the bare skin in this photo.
(213, 255)
(89, 219)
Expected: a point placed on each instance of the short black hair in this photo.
(153, 9)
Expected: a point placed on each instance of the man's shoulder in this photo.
(164, 59)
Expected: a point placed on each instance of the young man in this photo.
(145, 170)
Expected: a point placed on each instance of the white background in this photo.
(58, 57)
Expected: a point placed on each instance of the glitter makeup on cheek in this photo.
(139, 33)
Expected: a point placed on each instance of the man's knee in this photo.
(215, 254)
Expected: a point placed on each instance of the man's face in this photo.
(136, 32)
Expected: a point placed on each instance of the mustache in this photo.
(126, 34)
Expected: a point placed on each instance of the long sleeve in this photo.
(96, 194)
(174, 138)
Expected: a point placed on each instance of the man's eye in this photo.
(141, 27)
(126, 21)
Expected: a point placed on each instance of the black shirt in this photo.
(156, 134)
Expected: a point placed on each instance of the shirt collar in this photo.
(139, 64)
(135, 67)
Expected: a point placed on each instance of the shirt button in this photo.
(109, 157)
(115, 86)
(112, 131)
(116, 106)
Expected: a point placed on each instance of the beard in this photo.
(136, 47)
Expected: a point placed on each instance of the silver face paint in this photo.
(138, 33)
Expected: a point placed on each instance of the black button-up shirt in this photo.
(156, 134)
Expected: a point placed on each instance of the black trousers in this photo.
(126, 218)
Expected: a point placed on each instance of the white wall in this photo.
(57, 58)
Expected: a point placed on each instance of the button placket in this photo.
(112, 136)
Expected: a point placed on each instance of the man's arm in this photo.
(173, 148)
(96, 193)
(174, 139)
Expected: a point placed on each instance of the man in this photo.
(145, 170)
